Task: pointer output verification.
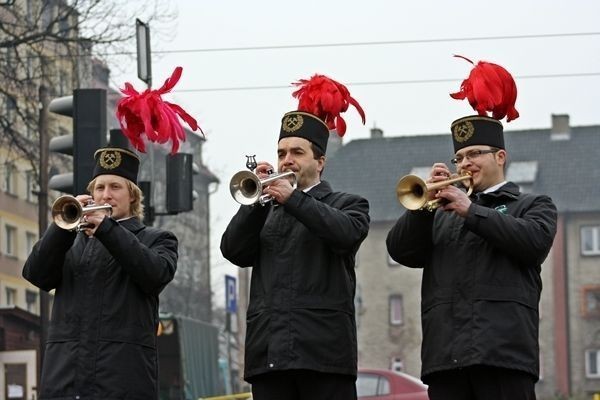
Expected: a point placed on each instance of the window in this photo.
(47, 14)
(11, 296)
(31, 301)
(30, 11)
(10, 177)
(30, 240)
(591, 301)
(11, 240)
(592, 363)
(523, 173)
(32, 187)
(396, 311)
(63, 85)
(30, 65)
(590, 240)
(372, 385)
(11, 107)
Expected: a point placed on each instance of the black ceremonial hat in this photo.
(116, 161)
(477, 130)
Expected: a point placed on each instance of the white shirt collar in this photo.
(494, 188)
(308, 188)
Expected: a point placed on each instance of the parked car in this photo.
(383, 384)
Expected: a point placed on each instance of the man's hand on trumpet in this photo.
(439, 172)
(91, 220)
(454, 199)
(279, 189)
(263, 169)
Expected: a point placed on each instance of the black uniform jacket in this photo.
(481, 279)
(102, 338)
(301, 311)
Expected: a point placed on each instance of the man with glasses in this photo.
(481, 258)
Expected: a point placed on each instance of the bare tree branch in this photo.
(54, 43)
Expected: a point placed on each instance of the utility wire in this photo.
(348, 44)
(376, 43)
(354, 44)
(374, 83)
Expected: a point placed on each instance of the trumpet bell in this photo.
(67, 212)
(245, 187)
(411, 192)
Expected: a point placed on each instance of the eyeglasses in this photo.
(471, 155)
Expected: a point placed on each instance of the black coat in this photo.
(301, 311)
(102, 337)
(481, 280)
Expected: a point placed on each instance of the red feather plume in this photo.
(327, 99)
(148, 113)
(489, 88)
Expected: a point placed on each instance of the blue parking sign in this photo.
(230, 294)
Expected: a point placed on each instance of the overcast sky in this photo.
(400, 69)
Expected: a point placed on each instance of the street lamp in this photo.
(144, 61)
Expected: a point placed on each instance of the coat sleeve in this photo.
(150, 266)
(409, 241)
(241, 240)
(528, 237)
(344, 226)
(44, 266)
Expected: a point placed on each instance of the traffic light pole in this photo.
(43, 210)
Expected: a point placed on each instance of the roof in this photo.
(20, 314)
(567, 170)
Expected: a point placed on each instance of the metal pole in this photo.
(43, 210)
(244, 278)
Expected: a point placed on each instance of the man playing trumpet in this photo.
(301, 330)
(481, 258)
(107, 277)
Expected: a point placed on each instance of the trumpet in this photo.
(412, 191)
(246, 187)
(67, 213)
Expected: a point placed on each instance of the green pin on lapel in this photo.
(502, 209)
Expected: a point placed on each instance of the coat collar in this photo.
(132, 224)
(321, 190)
(510, 189)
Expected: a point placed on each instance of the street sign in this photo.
(230, 294)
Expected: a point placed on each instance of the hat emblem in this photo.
(110, 159)
(463, 131)
(292, 123)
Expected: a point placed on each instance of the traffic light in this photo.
(180, 183)
(180, 191)
(87, 108)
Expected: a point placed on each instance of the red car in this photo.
(383, 384)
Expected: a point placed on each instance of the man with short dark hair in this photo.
(107, 278)
(301, 330)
